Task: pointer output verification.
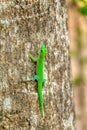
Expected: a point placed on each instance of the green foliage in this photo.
(75, 1)
(73, 53)
(83, 10)
(84, 61)
(82, 6)
(78, 81)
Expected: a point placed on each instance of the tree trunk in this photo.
(24, 26)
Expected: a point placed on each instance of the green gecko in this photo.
(40, 75)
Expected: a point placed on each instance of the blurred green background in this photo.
(77, 22)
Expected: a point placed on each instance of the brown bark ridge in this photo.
(24, 26)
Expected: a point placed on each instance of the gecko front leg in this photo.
(33, 58)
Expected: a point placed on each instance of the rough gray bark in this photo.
(24, 25)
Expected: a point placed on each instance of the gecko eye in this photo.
(41, 50)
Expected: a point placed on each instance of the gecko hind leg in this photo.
(44, 82)
(34, 78)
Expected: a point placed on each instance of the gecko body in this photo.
(40, 75)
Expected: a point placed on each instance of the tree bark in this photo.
(24, 26)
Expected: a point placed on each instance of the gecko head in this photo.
(43, 50)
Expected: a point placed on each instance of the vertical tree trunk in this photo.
(24, 26)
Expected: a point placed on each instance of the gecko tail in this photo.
(41, 99)
(43, 114)
(42, 110)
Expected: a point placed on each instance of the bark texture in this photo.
(24, 26)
